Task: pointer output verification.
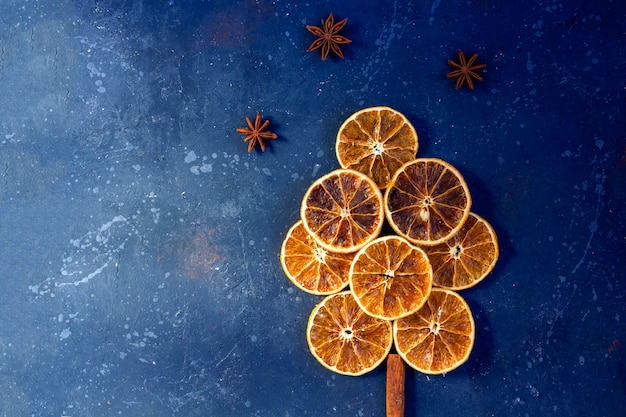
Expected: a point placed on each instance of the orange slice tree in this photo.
(402, 288)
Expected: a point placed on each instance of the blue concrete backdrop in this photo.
(139, 241)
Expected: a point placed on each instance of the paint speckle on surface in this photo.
(65, 333)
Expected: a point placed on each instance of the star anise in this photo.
(328, 37)
(256, 133)
(465, 70)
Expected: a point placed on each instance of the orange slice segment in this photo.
(346, 340)
(310, 267)
(343, 210)
(427, 201)
(439, 337)
(467, 257)
(376, 141)
(390, 278)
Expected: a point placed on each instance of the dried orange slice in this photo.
(376, 141)
(427, 201)
(439, 337)
(310, 267)
(346, 340)
(343, 210)
(390, 278)
(467, 257)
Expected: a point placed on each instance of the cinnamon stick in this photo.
(395, 385)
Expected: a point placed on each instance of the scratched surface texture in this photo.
(139, 240)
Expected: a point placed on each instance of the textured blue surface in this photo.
(139, 241)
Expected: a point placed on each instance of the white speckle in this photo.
(267, 172)
(93, 71)
(529, 63)
(195, 169)
(206, 168)
(581, 360)
(599, 143)
(190, 157)
(316, 168)
(156, 214)
(65, 333)
(122, 355)
(247, 403)
(433, 6)
(253, 338)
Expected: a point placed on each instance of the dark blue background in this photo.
(139, 240)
